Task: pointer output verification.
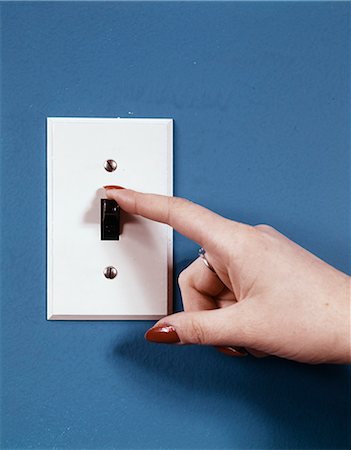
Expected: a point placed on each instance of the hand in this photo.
(267, 294)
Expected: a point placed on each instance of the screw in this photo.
(110, 165)
(110, 272)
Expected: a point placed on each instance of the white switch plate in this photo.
(76, 257)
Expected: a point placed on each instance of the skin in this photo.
(267, 295)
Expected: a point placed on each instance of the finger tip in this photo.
(115, 192)
(162, 334)
(109, 194)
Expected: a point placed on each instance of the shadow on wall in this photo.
(289, 396)
(298, 390)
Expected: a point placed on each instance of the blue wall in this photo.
(260, 96)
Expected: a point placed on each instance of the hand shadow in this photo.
(301, 406)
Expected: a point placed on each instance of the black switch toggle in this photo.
(110, 220)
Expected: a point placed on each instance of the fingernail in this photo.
(113, 187)
(232, 351)
(163, 334)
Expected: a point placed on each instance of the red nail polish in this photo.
(162, 334)
(113, 187)
(232, 351)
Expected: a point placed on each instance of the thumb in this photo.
(209, 327)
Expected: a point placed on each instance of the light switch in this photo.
(102, 263)
(110, 220)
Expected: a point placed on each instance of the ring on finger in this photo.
(202, 253)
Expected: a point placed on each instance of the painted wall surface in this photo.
(260, 96)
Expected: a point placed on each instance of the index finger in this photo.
(188, 218)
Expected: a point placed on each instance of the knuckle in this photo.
(197, 333)
(178, 201)
(265, 228)
(174, 205)
(183, 278)
(137, 201)
(244, 241)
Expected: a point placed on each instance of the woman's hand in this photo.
(267, 294)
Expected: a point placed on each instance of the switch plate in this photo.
(77, 289)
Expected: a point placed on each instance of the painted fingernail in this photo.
(163, 334)
(113, 187)
(232, 351)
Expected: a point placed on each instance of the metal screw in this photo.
(110, 165)
(110, 272)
